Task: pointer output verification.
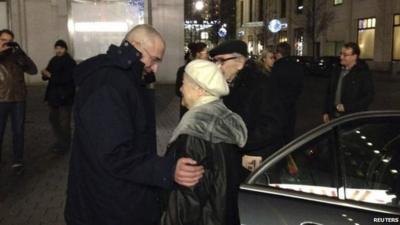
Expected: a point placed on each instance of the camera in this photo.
(12, 44)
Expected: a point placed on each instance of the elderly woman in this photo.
(211, 134)
(267, 60)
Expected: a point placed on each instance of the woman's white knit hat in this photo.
(208, 76)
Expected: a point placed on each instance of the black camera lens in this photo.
(12, 44)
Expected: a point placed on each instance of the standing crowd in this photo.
(59, 96)
(235, 112)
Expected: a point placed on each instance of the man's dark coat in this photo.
(115, 173)
(357, 90)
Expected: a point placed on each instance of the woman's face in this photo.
(269, 60)
(190, 93)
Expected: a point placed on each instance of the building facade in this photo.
(321, 27)
(209, 21)
(90, 26)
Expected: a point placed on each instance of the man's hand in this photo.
(46, 73)
(340, 107)
(325, 118)
(187, 173)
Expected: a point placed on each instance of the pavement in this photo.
(38, 196)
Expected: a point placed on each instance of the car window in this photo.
(309, 169)
(371, 155)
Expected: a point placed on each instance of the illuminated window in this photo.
(396, 37)
(396, 20)
(204, 35)
(366, 37)
(299, 6)
(299, 41)
(260, 43)
(282, 36)
(250, 44)
(337, 2)
(95, 25)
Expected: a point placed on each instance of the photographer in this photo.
(13, 63)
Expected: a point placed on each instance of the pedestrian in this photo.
(267, 59)
(350, 88)
(115, 174)
(60, 95)
(253, 98)
(287, 75)
(13, 64)
(197, 51)
(211, 134)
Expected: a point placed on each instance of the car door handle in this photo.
(310, 223)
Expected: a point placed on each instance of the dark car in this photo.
(306, 62)
(343, 172)
(324, 65)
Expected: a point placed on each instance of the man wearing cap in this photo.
(253, 98)
(212, 135)
(60, 95)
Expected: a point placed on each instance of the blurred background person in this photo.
(267, 59)
(350, 88)
(60, 95)
(197, 50)
(13, 63)
(287, 75)
(252, 97)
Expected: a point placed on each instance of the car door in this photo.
(312, 181)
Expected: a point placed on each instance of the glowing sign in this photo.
(222, 31)
(275, 25)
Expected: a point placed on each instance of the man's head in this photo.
(282, 50)
(349, 54)
(202, 78)
(149, 42)
(60, 47)
(5, 36)
(231, 56)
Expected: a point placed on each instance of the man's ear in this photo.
(241, 62)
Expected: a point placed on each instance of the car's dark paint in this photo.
(260, 204)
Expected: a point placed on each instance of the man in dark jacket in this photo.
(115, 173)
(288, 76)
(13, 63)
(350, 89)
(60, 95)
(253, 98)
(211, 134)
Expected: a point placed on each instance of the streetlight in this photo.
(199, 5)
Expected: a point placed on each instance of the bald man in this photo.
(115, 173)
